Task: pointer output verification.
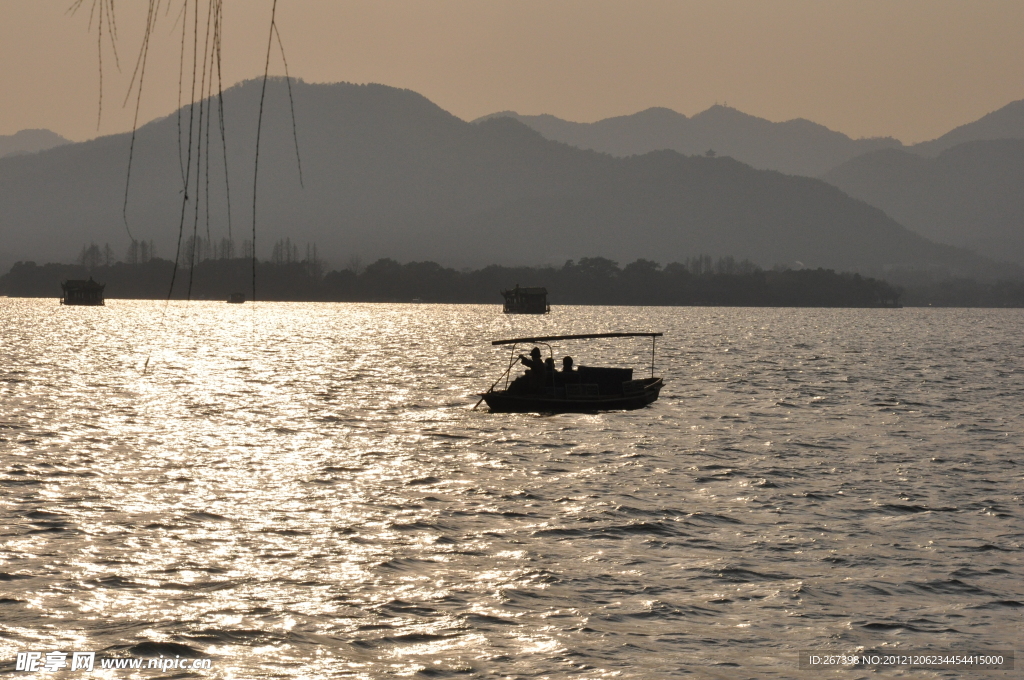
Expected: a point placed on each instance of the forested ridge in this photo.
(588, 281)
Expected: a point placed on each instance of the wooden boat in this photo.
(583, 390)
(80, 292)
(526, 300)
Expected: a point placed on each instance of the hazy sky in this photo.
(912, 69)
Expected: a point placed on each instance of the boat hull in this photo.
(500, 401)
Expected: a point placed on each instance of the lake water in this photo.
(303, 491)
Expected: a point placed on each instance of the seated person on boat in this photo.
(542, 376)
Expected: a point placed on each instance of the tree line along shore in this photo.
(213, 272)
(588, 281)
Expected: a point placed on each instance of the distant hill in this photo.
(971, 195)
(796, 147)
(389, 174)
(1006, 123)
(29, 141)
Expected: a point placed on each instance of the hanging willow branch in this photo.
(193, 139)
(103, 12)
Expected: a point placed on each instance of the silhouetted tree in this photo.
(91, 256)
(226, 250)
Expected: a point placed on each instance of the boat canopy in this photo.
(585, 336)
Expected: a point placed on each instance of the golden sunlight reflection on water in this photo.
(303, 490)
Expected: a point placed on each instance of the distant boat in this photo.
(80, 292)
(236, 298)
(583, 390)
(526, 300)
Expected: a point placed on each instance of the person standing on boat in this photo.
(534, 362)
(567, 365)
(536, 368)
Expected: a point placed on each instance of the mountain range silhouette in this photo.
(387, 173)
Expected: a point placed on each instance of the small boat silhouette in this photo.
(581, 390)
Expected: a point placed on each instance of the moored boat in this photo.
(572, 390)
(526, 300)
(81, 292)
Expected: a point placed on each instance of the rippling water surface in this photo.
(302, 490)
